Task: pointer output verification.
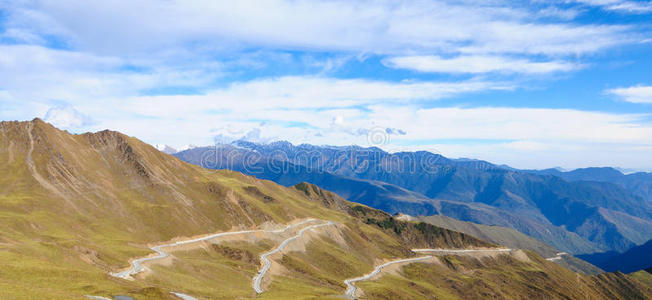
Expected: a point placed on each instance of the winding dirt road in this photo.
(184, 296)
(557, 257)
(458, 251)
(137, 264)
(258, 279)
(351, 288)
(97, 297)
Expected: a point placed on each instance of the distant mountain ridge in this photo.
(574, 216)
(639, 183)
(634, 259)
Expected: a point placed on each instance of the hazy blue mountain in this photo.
(634, 259)
(382, 195)
(577, 217)
(638, 183)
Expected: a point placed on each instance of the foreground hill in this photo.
(576, 217)
(644, 276)
(76, 208)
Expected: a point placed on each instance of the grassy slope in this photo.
(103, 197)
(109, 195)
(496, 234)
(644, 276)
(501, 278)
(74, 207)
(510, 238)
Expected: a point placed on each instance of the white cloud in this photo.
(66, 116)
(240, 106)
(529, 138)
(556, 12)
(117, 49)
(302, 93)
(541, 155)
(524, 137)
(478, 64)
(303, 110)
(505, 123)
(21, 36)
(636, 7)
(547, 39)
(112, 53)
(37, 73)
(135, 27)
(634, 94)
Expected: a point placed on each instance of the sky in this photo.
(531, 84)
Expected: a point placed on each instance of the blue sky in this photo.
(532, 84)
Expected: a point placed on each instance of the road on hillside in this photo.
(557, 257)
(458, 251)
(137, 264)
(351, 288)
(184, 296)
(258, 279)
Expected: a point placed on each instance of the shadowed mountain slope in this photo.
(639, 183)
(632, 260)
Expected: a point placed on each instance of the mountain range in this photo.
(634, 259)
(78, 210)
(576, 214)
(639, 183)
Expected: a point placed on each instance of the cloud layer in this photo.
(625, 6)
(461, 77)
(479, 64)
(634, 94)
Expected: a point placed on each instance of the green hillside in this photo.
(510, 238)
(74, 208)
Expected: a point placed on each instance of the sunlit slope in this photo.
(126, 190)
(644, 276)
(510, 238)
(79, 206)
(75, 207)
(504, 277)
